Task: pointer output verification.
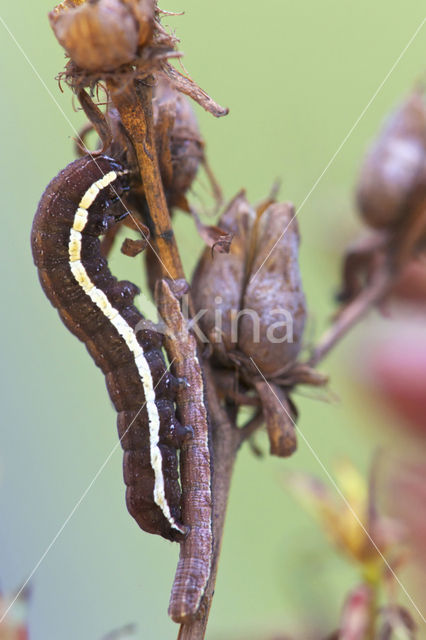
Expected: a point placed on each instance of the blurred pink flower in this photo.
(398, 371)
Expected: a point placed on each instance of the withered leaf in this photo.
(132, 247)
(213, 236)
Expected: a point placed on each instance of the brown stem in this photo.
(134, 103)
(400, 250)
(351, 314)
(226, 441)
(251, 426)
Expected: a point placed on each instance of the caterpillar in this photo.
(80, 204)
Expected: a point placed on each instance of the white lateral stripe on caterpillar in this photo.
(125, 330)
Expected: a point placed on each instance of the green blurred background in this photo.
(296, 76)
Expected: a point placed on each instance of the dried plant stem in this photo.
(399, 252)
(196, 549)
(134, 103)
(226, 441)
(187, 86)
(351, 314)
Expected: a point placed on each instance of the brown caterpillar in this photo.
(75, 209)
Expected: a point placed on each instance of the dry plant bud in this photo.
(274, 292)
(102, 35)
(178, 140)
(394, 170)
(180, 147)
(253, 296)
(144, 13)
(219, 279)
(67, 4)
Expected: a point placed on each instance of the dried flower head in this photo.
(98, 36)
(252, 310)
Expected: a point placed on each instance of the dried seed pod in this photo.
(178, 140)
(271, 331)
(394, 170)
(144, 13)
(250, 301)
(67, 4)
(177, 136)
(98, 36)
(219, 279)
(251, 307)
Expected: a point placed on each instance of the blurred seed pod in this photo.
(394, 169)
(252, 299)
(144, 13)
(104, 34)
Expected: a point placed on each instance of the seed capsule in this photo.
(178, 139)
(219, 280)
(98, 36)
(251, 299)
(394, 169)
(271, 333)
